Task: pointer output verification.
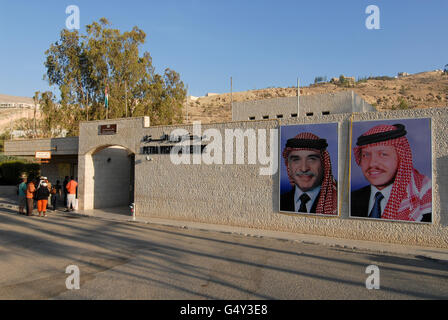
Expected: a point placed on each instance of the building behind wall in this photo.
(7, 101)
(64, 155)
(292, 107)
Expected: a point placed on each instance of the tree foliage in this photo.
(319, 79)
(83, 65)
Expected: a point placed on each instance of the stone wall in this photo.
(237, 195)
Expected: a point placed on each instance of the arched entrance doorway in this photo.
(109, 177)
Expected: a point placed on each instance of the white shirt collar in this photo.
(311, 193)
(385, 192)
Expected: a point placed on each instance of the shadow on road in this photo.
(166, 253)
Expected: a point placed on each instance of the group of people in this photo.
(39, 192)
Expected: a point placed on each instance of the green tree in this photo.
(6, 135)
(320, 79)
(52, 116)
(82, 66)
(26, 125)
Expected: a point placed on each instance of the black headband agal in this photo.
(382, 136)
(320, 144)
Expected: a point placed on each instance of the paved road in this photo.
(120, 260)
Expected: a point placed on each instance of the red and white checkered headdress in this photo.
(406, 200)
(328, 202)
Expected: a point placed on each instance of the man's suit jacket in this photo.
(287, 202)
(360, 204)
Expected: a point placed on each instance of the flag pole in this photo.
(298, 98)
(106, 103)
(126, 97)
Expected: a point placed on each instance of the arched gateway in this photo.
(106, 162)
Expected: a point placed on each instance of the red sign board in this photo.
(108, 129)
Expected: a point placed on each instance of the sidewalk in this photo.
(123, 214)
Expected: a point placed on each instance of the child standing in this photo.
(42, 199)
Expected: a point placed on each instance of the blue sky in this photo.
(259, 43)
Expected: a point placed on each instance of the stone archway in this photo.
(108, 179)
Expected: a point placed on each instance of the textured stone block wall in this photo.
(238, 195)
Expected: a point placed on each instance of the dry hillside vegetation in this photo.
(422, 90)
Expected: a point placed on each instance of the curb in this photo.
(432, 253)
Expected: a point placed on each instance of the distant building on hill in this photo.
(7, 101)
(305, 106)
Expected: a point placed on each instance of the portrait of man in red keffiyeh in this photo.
(397, 190)
(308, 166)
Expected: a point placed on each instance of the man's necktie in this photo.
(304, 198)
(376, 210)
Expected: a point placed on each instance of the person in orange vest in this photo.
(42, 199)
(30, 190)
(71, 194)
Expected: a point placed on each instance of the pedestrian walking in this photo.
(55, 194)
(71, 194)
(64, 189)
(22, 195)
(30, 190)
(49, 186)
(42, 198)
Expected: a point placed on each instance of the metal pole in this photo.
(298, 98)
(231, 95)
(35, 108)
(87, 107)
(187, 103)
(126, 97)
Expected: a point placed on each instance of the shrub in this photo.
(10, 171)
(362, 80)
(403, 105)
(320, 79)
(382, 78)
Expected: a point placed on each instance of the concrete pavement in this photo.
(123, 214)
(128, 260)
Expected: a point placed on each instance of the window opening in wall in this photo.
(279, 116)
(293, 115)
(309, 114)
(265, 117)
(251, 118)
(325, 113)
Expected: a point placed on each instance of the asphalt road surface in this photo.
(119, 260)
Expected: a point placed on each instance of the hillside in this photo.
(422, 90)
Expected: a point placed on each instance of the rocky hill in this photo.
(422, 90)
